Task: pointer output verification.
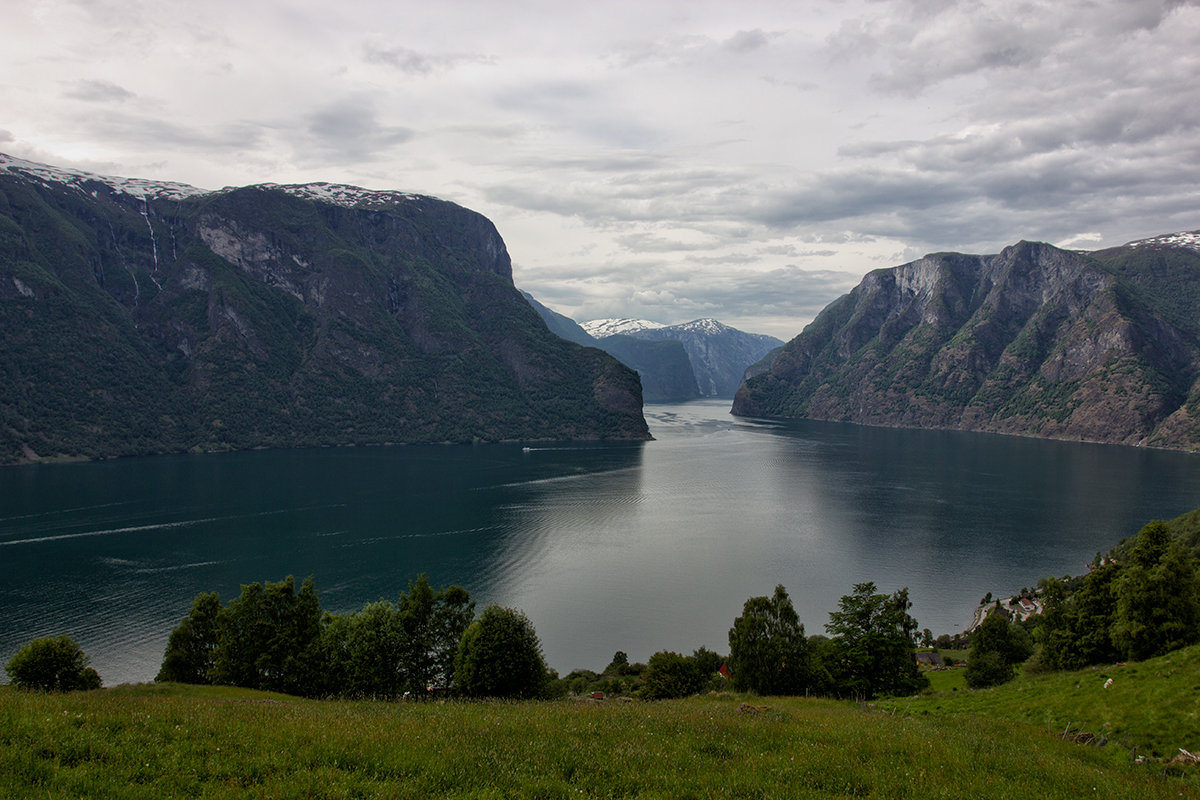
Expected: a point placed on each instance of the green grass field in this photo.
(1152, 705)
(174, 741)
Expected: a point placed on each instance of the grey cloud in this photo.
(147, 132)
(923, 44)
(747, 41)
(6, 136)
(350, 128)
(649, 243)
(413, 62)
(96, 91)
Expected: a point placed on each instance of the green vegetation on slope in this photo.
(173, 741)
(1150, 705)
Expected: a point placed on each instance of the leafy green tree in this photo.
(874, 644)
(50, 664)
(707, 661)
(618, 665)
(671, 675)
(1158, 596)
(189, 654)
(768, 652)
(376, 647)
(997, 646)
(432, 624)
(270, 638)
(500, 656)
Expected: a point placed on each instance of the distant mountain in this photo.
(1101, 346)
(663, 366)
(148, 317)
(560, 324)
(718, 354)
(601, 328)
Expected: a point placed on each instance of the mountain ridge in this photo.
(1034, 340)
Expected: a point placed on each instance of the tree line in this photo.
(1140, 601)
(275, 637)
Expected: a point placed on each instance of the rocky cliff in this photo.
(1036, 341)
(146, 317)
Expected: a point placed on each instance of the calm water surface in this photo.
(636, 547)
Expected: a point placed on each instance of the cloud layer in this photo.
(668, 160)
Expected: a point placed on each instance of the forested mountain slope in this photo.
(142, 317)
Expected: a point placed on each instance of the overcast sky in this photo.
(668, 160)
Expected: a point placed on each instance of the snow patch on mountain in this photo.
(341, 194)
(1188, 239)
(79, 179)
(333, 193)
(600, 328)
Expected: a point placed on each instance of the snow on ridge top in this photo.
(600, 328)
(704, 325)
(1188, 239)
(135, 187)
(340, 194)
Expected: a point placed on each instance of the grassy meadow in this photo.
(155, 741)
(1151, 705)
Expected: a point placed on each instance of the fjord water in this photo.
(633, 546)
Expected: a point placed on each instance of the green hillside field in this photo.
(167, 740)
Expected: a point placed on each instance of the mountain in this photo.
(1101, 346)
(663, 367)
(601, 328)
(148, 317)
(719, 355)
(560, 324)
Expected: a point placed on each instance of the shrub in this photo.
(52, 664)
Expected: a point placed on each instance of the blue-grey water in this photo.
(636, 547)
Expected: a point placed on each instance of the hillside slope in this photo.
(1034, 341)
(143, 317)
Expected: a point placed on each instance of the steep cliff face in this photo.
(1034, 341)
(144, 317)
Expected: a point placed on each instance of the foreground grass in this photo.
(173, 741)
(1151, 705)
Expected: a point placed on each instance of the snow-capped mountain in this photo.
(599, 328)
(719, 354)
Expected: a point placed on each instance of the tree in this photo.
(670, 675)
(768, 652)
(432, 624)
(51, 664)
(1158, 596)
(997, 646)
(500, 656)
(270, 638)
(874, 644)
(189, 654)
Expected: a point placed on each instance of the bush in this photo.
(672, 675)
(500, 656)
(52, 664)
